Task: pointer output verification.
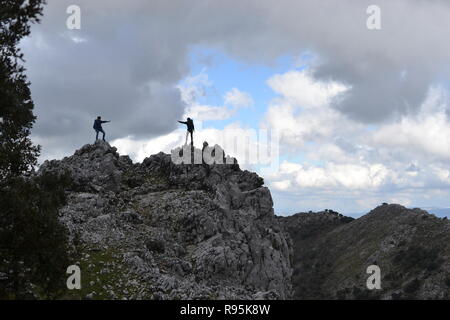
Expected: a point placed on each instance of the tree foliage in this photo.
(17, 153)
(33, 244)
(33, 253)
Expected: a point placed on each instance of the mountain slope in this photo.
(332, 253)
(159, 230)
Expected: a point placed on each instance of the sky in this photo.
(357, 116)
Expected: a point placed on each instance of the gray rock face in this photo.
(160, 230)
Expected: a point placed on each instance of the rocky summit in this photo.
(160, 230)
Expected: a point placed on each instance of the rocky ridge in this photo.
(332, 252)
(159, 230)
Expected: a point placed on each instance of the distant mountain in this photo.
(332, 253)
(439, 212)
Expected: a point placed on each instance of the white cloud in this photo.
(138, 150)
(332, 176)
(342, 161)
(204, 112)
(302, 111)
(426, 134)
(194, 88)
(283, 185)
(238, 99)
(300, 89)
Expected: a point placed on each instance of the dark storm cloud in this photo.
(127, 58)
(121, 74)
(389, 70)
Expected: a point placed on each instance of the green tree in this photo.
(17, 153)
(33, 249)
(33, 244)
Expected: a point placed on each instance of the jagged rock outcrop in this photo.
(160, 230)
(332, 253)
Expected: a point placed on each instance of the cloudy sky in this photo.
(363, 115)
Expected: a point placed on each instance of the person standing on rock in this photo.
(98, 127)
(190, 129)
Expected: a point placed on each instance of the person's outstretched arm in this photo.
(106, 121)
(182, 122)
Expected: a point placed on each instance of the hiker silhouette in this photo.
(98, 127)
(190, 129)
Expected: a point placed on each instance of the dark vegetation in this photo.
(312, 267)
(33, 246)
(331, 254)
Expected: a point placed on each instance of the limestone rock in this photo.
(160, 230)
